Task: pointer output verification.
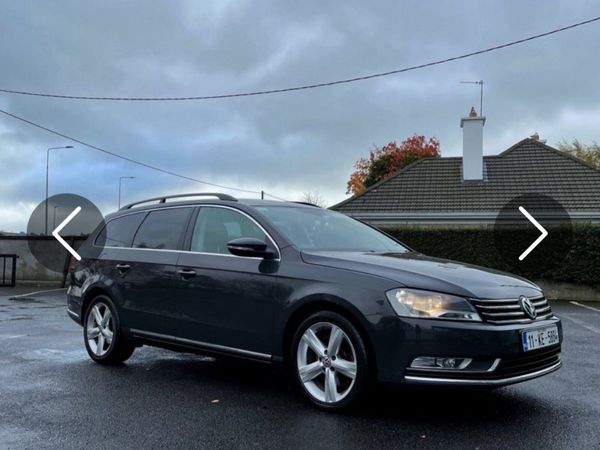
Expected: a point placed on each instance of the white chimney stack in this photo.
(472, 146)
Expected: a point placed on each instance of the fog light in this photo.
(430, 362)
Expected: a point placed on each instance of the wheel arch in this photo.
(89, 296)
(319, 303)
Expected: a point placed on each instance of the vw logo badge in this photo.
(527, 307)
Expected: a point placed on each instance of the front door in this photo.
(226, 300)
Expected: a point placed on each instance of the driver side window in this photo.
(216, 226)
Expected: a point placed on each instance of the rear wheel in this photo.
(102, 334)
(329, 360)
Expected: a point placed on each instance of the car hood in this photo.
(422, 272)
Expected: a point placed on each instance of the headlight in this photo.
(432, 305)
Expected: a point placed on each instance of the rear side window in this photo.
(162, 229)
(119, 232)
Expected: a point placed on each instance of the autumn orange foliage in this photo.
(385, 161)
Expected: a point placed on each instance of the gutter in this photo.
(457, 218)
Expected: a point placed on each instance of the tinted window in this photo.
(323, 229)
(162, 229)
(217, 226)
(119, 232)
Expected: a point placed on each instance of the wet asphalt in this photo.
(53, 396)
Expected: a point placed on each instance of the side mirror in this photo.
(249, 247)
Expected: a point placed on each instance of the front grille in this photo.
(509, 367)
(509, 311)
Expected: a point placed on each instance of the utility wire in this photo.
(309, 86)
(131, 160)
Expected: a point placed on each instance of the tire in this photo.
(102, 335)
(331, 371)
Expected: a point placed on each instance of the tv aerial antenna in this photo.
(480, 83)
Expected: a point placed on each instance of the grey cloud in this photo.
(284, 143)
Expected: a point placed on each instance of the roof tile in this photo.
(435, 184)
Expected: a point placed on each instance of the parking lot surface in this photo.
(53, 396)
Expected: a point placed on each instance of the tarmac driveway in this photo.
(53, 396)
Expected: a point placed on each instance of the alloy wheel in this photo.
(326, 362)
(99, 329)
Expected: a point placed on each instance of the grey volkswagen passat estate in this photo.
(337, 301)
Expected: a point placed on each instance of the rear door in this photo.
(226, 300)
(148, 271)
(116, 235)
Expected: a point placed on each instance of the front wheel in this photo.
(102, 334)
(329, 360)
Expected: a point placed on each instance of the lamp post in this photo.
(120, 180)
(47, 165)
(54, 216)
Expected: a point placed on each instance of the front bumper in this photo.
(400, 340)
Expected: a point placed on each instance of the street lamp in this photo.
(120, 180)
(47, 164)
(54, 216)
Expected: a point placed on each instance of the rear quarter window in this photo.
(119, 232)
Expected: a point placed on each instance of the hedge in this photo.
(580, 264)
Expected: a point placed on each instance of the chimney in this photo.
(472, 126)
(536, 137)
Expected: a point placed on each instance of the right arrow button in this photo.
(538, 240)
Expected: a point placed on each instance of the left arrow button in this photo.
(59, 228)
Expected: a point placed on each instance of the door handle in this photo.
(186, 274)
(123, 267)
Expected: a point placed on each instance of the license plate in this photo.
(539, 338)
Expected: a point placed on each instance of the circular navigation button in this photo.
(533, 233)
(58, 226)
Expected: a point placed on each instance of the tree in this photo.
(314, 197)
(385, 161)
(588, 153)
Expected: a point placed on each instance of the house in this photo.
(472, 189)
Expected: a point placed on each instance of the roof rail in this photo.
(164, 198)
(307, 204)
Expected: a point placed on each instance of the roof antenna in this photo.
(480, 83)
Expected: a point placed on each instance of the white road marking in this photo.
(12, 336)
(538, 240)
(38, 292)
(581, 323)
(585, 306)
(61, 240)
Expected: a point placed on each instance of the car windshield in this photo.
(321, 229)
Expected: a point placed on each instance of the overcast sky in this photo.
(286, 144)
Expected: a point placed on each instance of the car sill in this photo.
(200, 345)
(499, 382)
